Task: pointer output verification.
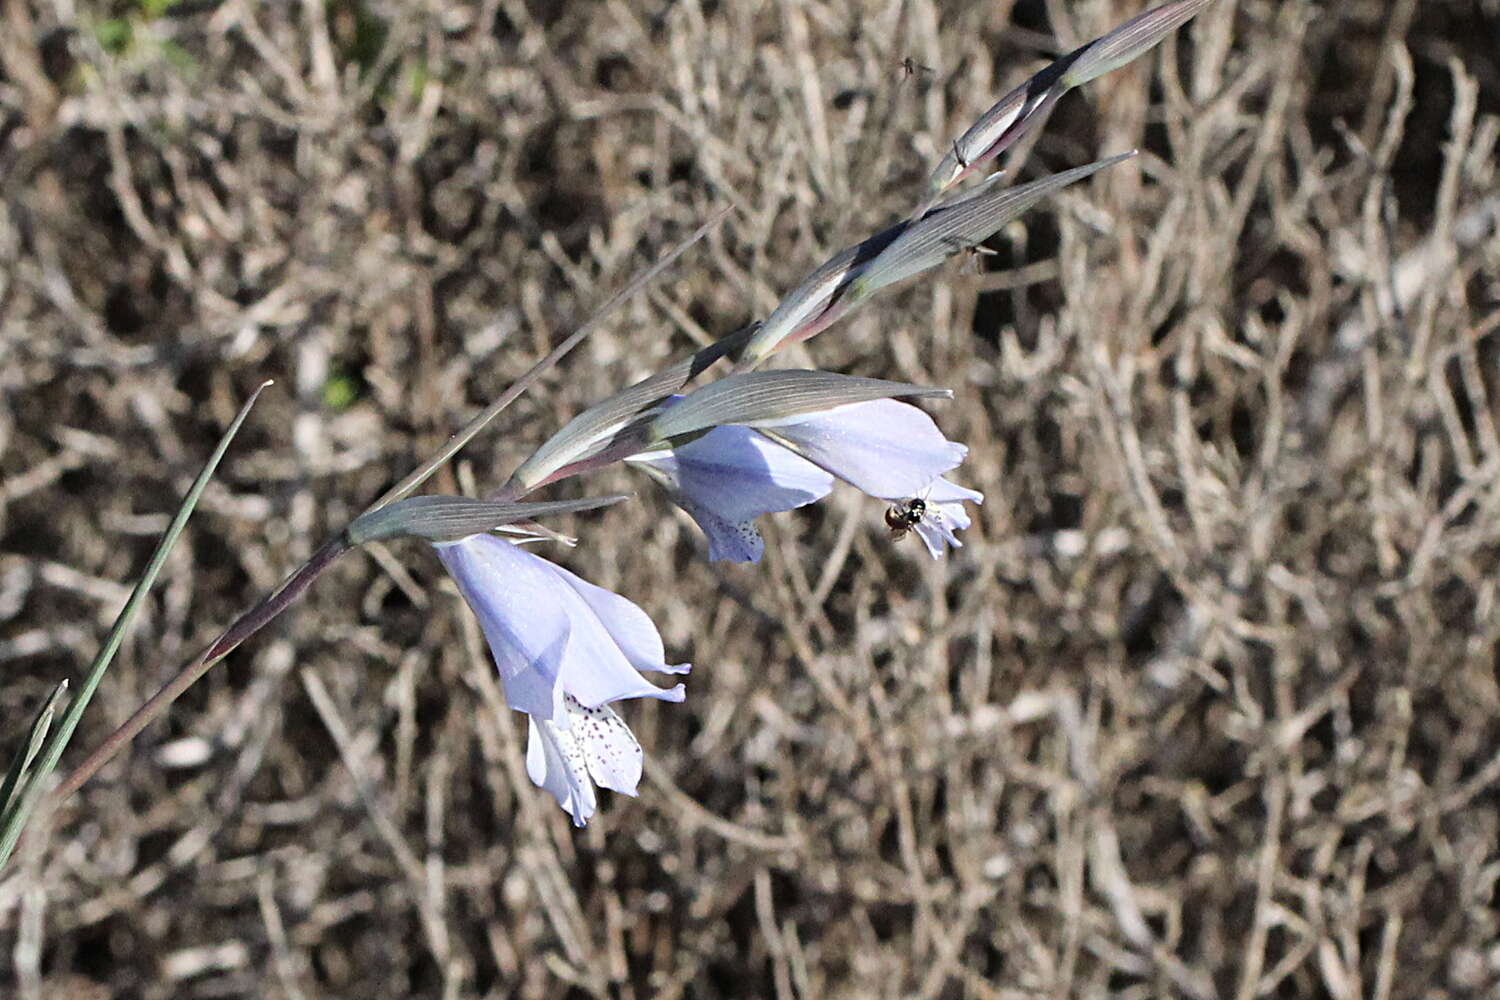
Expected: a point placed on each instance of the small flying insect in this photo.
(959, 157)
(910, 68)
(902, 517)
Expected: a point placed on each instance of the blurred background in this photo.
(1206, 707)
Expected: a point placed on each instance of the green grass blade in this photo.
(33, 745)
(32, 784)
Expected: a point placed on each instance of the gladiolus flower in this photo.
(889, 450)
(566, 650)
(729, 477)
(881, 447)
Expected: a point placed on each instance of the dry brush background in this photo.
(1207, 707)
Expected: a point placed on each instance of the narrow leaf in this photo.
(33, 745)
(447, 518)
(754, 397)
(33, 783)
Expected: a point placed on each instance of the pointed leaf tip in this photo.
(1129, 41)
(21, 767)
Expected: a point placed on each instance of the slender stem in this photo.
(247, 625)
(420, 475)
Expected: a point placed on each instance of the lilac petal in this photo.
(672, 668)
(610, 750)
(555, 762)
(882, 447)
(594, 748)
(932, 537)
(730, 476)
(935, 531)
(631, 628)
(515, 596)
(952, 517)
(740, 475)
(731, 541)
(551, 633)
(595, 670)
(943, 491)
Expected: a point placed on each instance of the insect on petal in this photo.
(882, 447)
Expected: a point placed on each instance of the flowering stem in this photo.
(302, 578)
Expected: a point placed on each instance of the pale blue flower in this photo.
(881, 447)
(732, 474)
(727, 478)
(565, 650)
(889, 450)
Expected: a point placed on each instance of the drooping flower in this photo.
(727, 478)
(881, 447)
(565, 650)
(889, 450)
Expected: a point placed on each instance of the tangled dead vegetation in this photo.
(1207, 707)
